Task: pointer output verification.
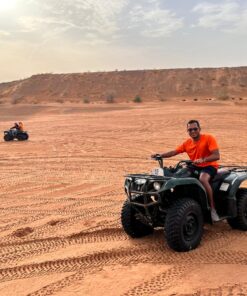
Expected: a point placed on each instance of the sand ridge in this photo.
(121, 86)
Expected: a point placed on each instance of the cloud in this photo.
(78, 20)
(153, 21)
(88, 17)
(4, 33)
(31, 24)
(228, 17)
(93, 21)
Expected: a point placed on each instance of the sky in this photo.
(74, 36)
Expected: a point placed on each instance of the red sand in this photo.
(62, 193)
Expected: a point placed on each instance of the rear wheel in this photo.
(240, 222)
(184, 225)
(131, 225)
(22, 136)
(8, 137)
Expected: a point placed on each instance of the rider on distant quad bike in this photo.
(16, 132)
(18, 127)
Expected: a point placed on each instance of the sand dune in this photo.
(62, 193)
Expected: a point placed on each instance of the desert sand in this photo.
(62, 193)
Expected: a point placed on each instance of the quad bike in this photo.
(12, 134)
(174, 198)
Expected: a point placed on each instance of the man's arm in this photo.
(167, 154)
(215, 155)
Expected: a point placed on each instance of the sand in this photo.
(62, 193)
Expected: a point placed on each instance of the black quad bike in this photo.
(174, 198)
(11, 135)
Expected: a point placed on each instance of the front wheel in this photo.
(184, 225)
(8, 137)
(240, 222)
(131, 225)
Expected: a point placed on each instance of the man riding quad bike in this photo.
(16, 132)
(174, 198)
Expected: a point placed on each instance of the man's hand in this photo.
(156, 155)
(199, 160)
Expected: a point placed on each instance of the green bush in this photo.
(110, 99)
(162, 99)
(137, 99)
(86, 101)
(223, 96)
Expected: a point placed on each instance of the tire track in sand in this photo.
(228, 290)
(136, 253)
(18, 252)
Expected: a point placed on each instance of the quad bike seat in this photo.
(222, 173)
(182, 173)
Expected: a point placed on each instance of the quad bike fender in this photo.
(235, 183)
(172, 183)
(231, 185)
(192, 185)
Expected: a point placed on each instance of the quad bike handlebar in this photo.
(159, 158)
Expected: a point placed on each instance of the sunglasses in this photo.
(192, 129)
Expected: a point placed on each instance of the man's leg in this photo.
(204, 179)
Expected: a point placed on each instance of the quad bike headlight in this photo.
(156, 186)
(140, 181)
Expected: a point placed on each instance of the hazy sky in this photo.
(60, 36)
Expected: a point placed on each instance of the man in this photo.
(18, 127)
(21, 126)
(14, 129)
(203, 150)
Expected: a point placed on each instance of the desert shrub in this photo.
(110, 98)
(17, 100)
(137, 99)
(86, 101)
(222, 95)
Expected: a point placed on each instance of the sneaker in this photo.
(215, 217)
